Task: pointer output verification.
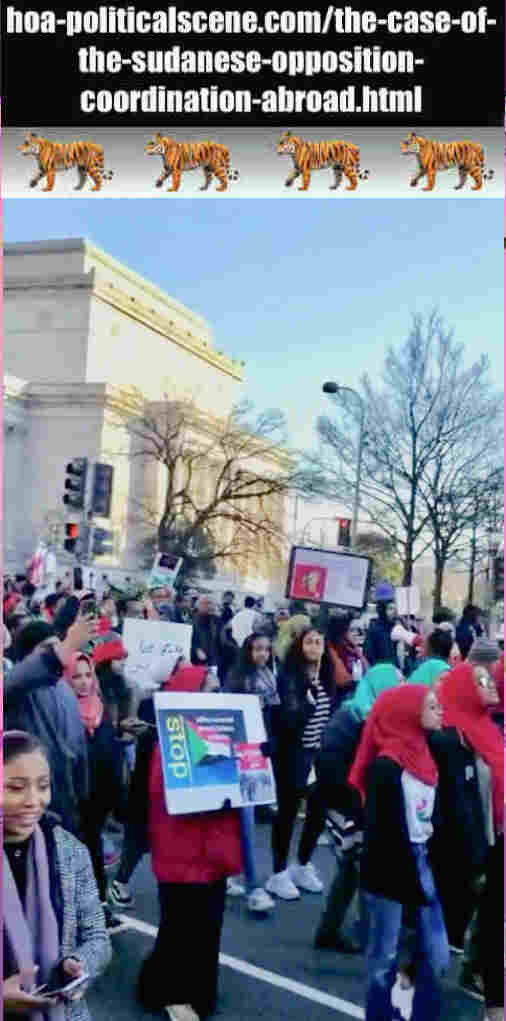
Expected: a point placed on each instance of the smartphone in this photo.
(71, 987)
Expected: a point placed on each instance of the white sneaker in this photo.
(281, 884)
(181, 1012)
(259, 900)
(235, 888)
(306, 877)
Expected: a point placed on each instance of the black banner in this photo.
(111, 65)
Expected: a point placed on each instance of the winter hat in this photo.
(107, 651)
(188, 678)
(162, 669)
(484, 651)
(384, 592)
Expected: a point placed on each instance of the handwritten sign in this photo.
(146, 641)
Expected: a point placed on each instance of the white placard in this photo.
(407, 600)
(148, 640)
(211, 752)
(321, 576)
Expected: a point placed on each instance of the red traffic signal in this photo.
(71, 536)
(344, 535)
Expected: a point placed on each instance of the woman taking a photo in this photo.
(397, 777)
(307, 690)
(54, 928)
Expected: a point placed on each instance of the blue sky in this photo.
(303, 291)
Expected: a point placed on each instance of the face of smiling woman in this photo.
(26, 794)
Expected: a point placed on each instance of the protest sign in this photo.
(211, 751)
(407, 600)
(165, 570)
(325, 576)
(147, 641)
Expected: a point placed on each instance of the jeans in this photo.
(384, 926)
(247, 820)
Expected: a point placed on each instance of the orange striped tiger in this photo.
(180, 156)
(342, 157)
(53, 157)
(468, 157)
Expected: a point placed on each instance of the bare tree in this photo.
(427, 407)
(224, 480)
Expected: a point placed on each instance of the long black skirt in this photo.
(183, 967)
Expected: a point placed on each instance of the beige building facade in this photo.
(80, 331)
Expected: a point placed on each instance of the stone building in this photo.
(80, 331)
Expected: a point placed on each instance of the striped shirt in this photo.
(313, 730)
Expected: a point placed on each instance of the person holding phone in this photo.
(54, 928)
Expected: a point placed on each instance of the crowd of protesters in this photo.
(391, 741)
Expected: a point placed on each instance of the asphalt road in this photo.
(269, 968)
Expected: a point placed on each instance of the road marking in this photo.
(315, 995)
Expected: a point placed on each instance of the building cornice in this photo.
(113, 296)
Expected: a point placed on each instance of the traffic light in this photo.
(102, 490)
(344, 535)
(71, 537)
(102, 543)
(75, 483)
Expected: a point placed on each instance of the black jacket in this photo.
(388, 866)
(460, 841)
(288, 726)
(378, 645)
(205, 636)
(339, 745)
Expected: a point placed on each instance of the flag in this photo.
(204, 743)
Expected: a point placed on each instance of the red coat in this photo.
(197, 848)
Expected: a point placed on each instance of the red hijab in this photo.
(463, 709)
(394, 729)
(91, 707)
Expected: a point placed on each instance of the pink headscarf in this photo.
(91, 707)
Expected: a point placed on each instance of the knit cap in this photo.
(484, 651)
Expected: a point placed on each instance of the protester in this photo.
(252, 675)
(245, 621)
(468, 628)
(119, 697)
(183, 609)
(347, 658)
(467, 694)
(54, 925)
(339, 744)
(397, 780)
(379, 647)
(192, 855)
(307, 689)
(438, 647)
(288, 631)
(205, 635)
(105, 767)
(135, 844)
(37, 700)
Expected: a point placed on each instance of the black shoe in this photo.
(338, 943)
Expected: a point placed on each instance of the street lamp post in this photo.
(333, 389)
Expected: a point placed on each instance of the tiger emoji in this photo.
(468, 157)
(53, 157)
(342, 157)
(180, 156)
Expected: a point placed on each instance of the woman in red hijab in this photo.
(469, 695)
(397, 779)
(192, 855)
